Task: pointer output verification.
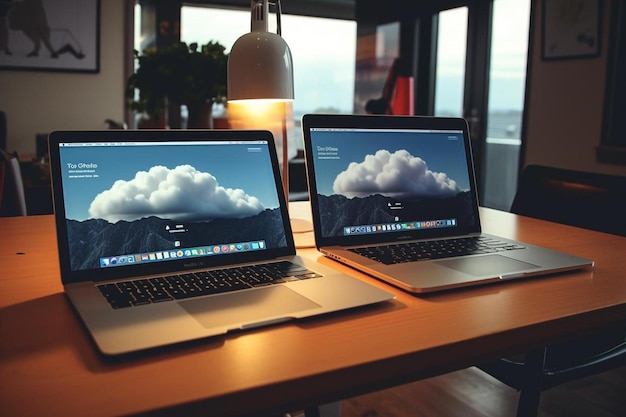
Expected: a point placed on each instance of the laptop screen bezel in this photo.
(386, 122)
(145, 135)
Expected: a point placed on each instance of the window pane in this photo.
(507, 80)
(507, 75)
(324, 52)
(450, 70)
(137, 28)
(204, 24)
(378, 47)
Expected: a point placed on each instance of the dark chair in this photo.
(588, 200)
(3, 131)
(12, 199)
(298, 188)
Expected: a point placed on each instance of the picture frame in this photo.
(571, 29)
(50, 35)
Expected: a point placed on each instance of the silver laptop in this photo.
(395, 196)
(173, 235)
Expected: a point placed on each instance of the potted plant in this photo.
(179, 74)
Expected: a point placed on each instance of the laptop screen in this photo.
(376, 183)
(137, 202)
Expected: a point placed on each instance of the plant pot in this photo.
(200, 115)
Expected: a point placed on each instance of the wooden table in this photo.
(49, 366)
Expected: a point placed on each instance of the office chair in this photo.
(588, 200)
(12, 199)
(583, 199)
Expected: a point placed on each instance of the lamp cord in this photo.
(278, 13)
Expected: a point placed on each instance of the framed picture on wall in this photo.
(571, 29)
(50, 35)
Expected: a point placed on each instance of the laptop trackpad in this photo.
(490, 265)
(247, 307)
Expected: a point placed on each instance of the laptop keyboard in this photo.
(177, 287)
(434, 249)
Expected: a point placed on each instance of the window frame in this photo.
(612, 147)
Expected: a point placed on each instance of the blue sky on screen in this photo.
(211, 168)
(445, 156)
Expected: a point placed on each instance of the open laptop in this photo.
(395, 197)
(173, 235)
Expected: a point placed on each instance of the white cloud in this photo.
(400, 174)
(182, 193)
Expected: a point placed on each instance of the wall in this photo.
(39, 102)
(565, 107)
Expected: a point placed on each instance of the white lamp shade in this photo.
(260, 67)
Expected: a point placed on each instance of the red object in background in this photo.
(402, 98)
(397, 97)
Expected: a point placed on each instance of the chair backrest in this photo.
(3, 131)
(12, 199)
(588, 200)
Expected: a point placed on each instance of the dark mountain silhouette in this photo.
(338, 211)
(95, 238)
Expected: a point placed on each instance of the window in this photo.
(378, 46)
(507, 86)
(323, 52)
(450, 69)
(497, 133)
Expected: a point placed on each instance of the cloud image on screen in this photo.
(398, 175)
(182, 193)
